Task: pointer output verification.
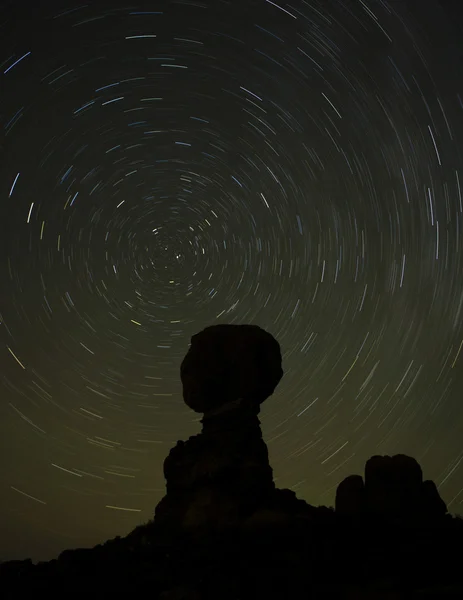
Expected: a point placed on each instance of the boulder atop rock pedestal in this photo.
(221, 476)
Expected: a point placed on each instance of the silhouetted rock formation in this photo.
(432, 503)
(350, 496)
(224, 531)
(221, 476)
(393, 488)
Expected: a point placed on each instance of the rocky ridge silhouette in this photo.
(223, 529)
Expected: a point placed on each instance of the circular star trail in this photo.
(172, 166)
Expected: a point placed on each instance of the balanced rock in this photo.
(222, 475)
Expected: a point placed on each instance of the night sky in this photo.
(171, 165)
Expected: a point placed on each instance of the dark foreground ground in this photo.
(326, 556)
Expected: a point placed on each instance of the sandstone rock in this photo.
(392, 484)
(221, 476)
(229, 364)
(350, 496)
(432, 503)
(393, 488)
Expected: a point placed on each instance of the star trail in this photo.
(171, 165)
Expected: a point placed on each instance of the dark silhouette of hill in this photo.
(223, 531)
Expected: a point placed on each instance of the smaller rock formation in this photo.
(350, 496)
(393, 487)
(392, 484)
